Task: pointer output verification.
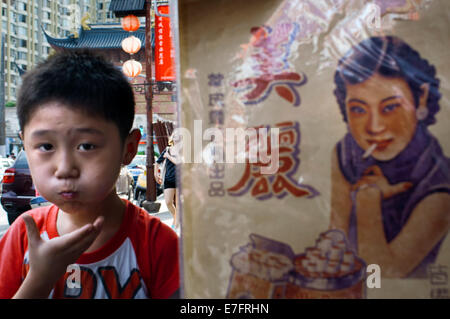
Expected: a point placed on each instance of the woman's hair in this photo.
(390, 57)
(80, 80)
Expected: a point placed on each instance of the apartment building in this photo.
(21, 27)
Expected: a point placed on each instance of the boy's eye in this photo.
(357, 110)
(391, 107)
(86, 147)
(46, 147)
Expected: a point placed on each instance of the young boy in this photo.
(75, 113)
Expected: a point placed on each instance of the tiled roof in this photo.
(99, 37)
(122, 8)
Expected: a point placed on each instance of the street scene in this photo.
(94, 26)
(303, 145)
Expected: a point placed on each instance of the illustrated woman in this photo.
(390, 178)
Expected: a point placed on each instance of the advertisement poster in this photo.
(318, 164)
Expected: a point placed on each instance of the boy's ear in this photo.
(131, 146)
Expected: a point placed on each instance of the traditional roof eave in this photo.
(102, 36)
(122, 8)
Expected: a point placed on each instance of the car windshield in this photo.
(21, 161)
(138, 160)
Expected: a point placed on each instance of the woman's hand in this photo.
(49, 259)
(373, 177)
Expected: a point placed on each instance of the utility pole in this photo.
(122, 8)
(150, 203)
(151, 183)
(2, 100)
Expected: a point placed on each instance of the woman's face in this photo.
(381, 112)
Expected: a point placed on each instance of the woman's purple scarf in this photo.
(422, 162)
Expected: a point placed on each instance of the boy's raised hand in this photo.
(49, 259)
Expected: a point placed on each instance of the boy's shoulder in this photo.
(41, 216)
(138, 221)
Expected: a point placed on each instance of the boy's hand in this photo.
(49, 259)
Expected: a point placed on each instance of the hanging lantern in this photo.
(131, 68)
(130, 23)
(131, 45)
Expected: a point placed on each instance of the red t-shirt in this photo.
(139, 261)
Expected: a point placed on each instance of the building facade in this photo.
(32, 29)
(22, 22)
(21, 29)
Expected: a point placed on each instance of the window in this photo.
(22, 18)
(22, 43)
(23, 31)
(21, 56)
(22, 6)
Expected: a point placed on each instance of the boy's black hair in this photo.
(390, 57)
(80, 80)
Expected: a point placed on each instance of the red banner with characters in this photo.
(164, 51)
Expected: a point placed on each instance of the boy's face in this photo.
(74, 158)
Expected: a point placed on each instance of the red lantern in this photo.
(130, 23)
(131, 68)
(131, 45)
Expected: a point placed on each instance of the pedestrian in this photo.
(75, 112)
(168, 160)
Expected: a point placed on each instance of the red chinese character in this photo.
(281, 183)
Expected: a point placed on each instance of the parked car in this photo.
(4, 164)
(125, 183)
(141, 188)
(17, 188)
(137, 166)
(39, 201)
